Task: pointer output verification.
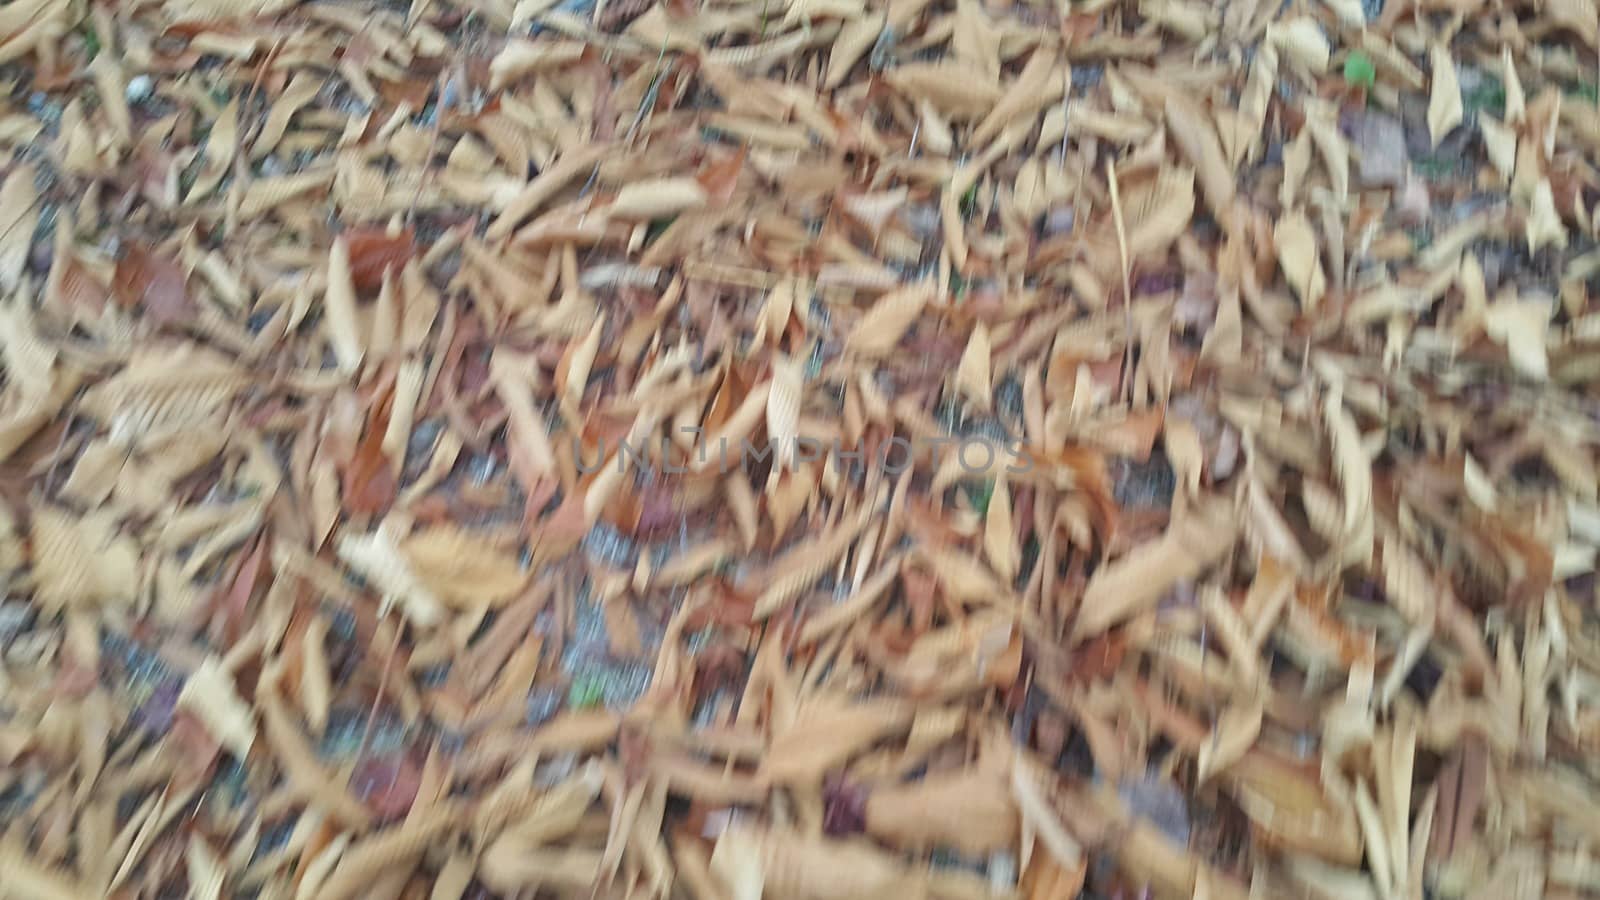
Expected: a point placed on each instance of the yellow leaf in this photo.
(964, 578)
(530, 435)
(1501, 144)
(572, 376)
(18, 217)
(1127, 586)
(1232, 737)
(1195, 136)
(657, 199)
(81, 560)
(972, 375)
(783, 412)
(1544, 226)
(880, 330)
(1519, 326)
(970, 810)
(1303, 42)
(1444, 103)
(209, 694)
(1350, 461)
(375, 557)
(1158, 211)
(999, 533)
(463, 569)
(1516, 100)
(849, 46)
(1297, 254)
(339, 308)
(826, 734)
(1182, 443)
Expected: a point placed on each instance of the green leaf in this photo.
(1358, 70)
(658, 227)
(969, 201)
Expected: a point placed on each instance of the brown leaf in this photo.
(367, 482)
(373, 251)
(153, 281)
(1461, 785)
(1135, 582)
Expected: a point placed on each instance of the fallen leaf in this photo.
(1444, 100)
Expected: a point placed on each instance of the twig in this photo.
(1127, 289)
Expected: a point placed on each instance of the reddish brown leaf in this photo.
(720, 177)
(150, 279)
(369, 485)
(386, 784)
(232, 604)
(374, 251)
(1461, 785)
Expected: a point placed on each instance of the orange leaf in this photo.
(719, 178)
(369, 484)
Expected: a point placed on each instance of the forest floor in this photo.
(804, 449)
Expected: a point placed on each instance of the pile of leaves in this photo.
(1209, 395)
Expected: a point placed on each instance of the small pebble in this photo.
(140, 87)
(14, 616)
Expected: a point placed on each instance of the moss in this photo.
(1489, 94)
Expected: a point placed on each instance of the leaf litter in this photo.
(1175, 439)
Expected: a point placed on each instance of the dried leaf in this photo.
(1299, 258)
(376, 557)
(880, 330)
(1235, 732)
(972, 374)
(18, 219)
(1135, 582)
(1444, 100)
(1302, 41)
(1519, 326)
(209, 695)
(373, 252)
(825, 735)
(658, 199)
(972, 812)
(339, 302)
(154, 282)
(461, 569)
